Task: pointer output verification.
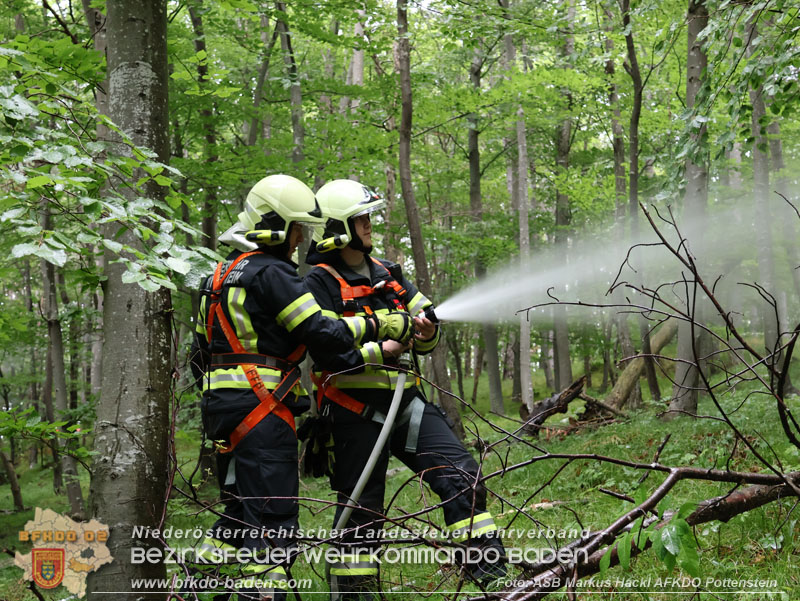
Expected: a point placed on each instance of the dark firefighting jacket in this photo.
(273, 314)
(391, 291)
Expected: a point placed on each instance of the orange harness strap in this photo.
(341, 398)
(350, 293)
(269, 402)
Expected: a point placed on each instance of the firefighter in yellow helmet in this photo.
(255, 322)
(347, 281)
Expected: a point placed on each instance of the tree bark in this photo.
(635, 73)
(97, 27)
(33, 392)
(563, 139)
(476, 207)
(620, 213)
(295, 91)
(209, 224)
(129, 480)
(50, 416)
(55, 350)
(13, 482)
(761, 200)
(685, 388)
(526, 384)
(438, 358)
(476, 373)
(629, 376)
(254, 128)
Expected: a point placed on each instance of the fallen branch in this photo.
(551, 577)
(557, 403)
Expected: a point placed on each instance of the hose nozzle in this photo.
(430, 314)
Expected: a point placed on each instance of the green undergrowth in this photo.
(542, 505)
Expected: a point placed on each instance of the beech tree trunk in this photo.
(254, 127)
(97, 27)
(761, 200)
(33, 389)
(685, 388)
(295, 91)
(632, 67)
(209, 225)
(563, 141)
(438, 358)
(490, 337)
(129, 480)
(55, 350)
(526, 384)
(621, 211)
(13, 482)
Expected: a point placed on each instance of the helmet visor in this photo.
(373, 207)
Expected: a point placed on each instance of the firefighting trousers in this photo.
(446, 466)
(258, 483)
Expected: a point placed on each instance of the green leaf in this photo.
(671, 538)
(131, 277)
(624, 551)
(658, 546)
(685, 510)
(162, 181)
(605, 561)
(113, 246)
(178, 265)
(22, 250)
(38, 181)
(689, 560)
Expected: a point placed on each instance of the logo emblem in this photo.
(48, 567)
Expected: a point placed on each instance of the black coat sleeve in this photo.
(331, 342)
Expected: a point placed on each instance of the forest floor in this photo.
(762, 546)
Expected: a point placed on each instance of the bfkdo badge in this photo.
(48, 567)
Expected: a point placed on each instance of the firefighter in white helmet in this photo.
(255, 322)
(347, 281)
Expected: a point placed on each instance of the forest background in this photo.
(556, 136)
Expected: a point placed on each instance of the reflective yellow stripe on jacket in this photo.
(235, 377)
(240, 320)
(298, 311)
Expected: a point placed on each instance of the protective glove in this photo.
(397, 325)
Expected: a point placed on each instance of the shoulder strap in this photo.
(216, 288)
(392, 283)
(348, 292)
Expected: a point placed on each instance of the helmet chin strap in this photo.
(356, 243)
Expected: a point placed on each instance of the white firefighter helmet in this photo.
(342, 200)
(272, 205)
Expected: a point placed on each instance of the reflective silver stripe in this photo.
(230, 477)
(356, 326)
(297, 311)
(479, 525)
(373, 352)
(416, 408)
(417, 303)
(240, 377)
(244, 330)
